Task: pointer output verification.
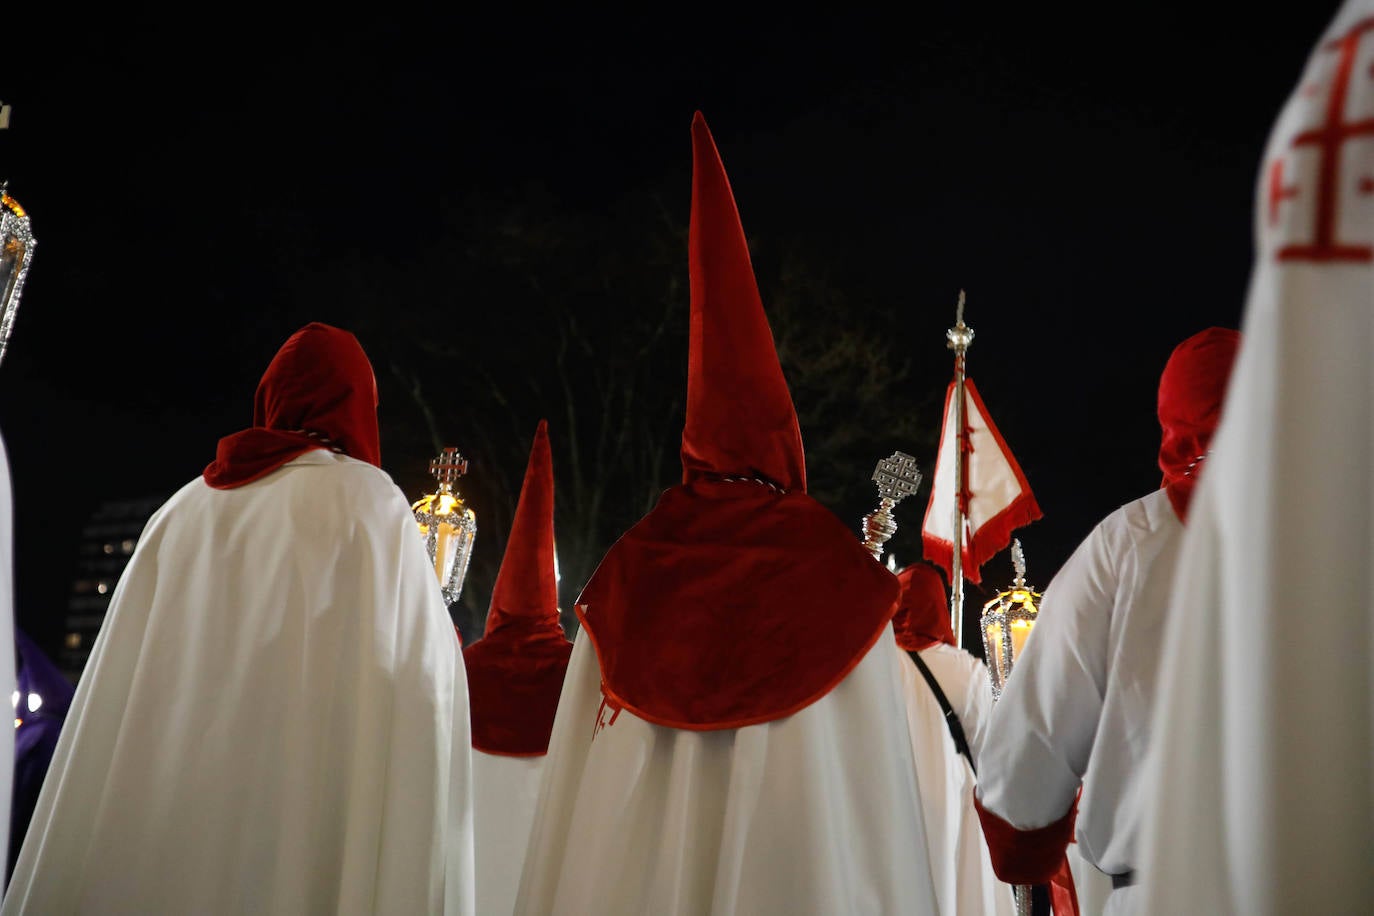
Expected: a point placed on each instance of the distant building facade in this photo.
(107, 541)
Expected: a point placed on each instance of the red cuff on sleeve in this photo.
(1026, 856)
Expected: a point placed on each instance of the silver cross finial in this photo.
(897, 477)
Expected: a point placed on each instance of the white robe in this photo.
(817, 812)
(1090, 885)
(1261, 784)
(1076, 709)
(273, 718)
(9, 680)
(505, 790)
(959, 862)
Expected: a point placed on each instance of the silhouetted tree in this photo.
(580, 316)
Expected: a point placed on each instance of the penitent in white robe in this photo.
(273, 719)
(815, 813)
(1261, 782)
(965, 883)
(505, 790)
(1076, 709)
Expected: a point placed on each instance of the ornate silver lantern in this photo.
(448, 526)
(16, 251)
(1007, 622)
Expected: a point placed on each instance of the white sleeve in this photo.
(1042, 729)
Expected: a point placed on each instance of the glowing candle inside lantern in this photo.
(445, 538)
(1020, 632)
(994, 638)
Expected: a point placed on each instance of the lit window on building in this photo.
(108, 548)
(127, 545)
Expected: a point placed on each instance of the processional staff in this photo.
(958, 339)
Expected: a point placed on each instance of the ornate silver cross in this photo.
(897, 477)
(448, 467)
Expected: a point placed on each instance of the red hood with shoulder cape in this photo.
(738, 599)
(923, 612)
(318, 392)
(515, 671)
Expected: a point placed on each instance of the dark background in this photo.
(467, 191)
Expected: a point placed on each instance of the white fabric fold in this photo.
(505, 791)
(273, 718)
(965, 883)
(1262, 778)
(817, 813)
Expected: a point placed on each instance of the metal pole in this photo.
(958, 339)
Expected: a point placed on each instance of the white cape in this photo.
(965, 883)
(505, 790)
(8, 679)
(273, 718)
(1261, 777)
(817, 813)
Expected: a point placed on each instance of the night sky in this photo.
(1088, 181)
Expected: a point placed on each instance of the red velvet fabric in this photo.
(513, 690)
(740, 420)
(922, 618)
(732, 602)
(1192, 390)
(515, 671)
(318, 392)
(1026, 856)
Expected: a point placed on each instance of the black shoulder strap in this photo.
(956, 728)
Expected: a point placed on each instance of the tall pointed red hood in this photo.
(738, 599)
(319, 391)
(740, 418)
(515, 672)
(526, 590)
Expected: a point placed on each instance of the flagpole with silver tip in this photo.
(958, 339)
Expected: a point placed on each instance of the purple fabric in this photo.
(35, 740)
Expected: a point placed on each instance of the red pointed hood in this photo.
(740, 418)
(738, 599)
(922, 618)
(526, 590)
(1192, 390)
(515, 671)
(319, 391)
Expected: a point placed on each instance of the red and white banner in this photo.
(994, 497)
